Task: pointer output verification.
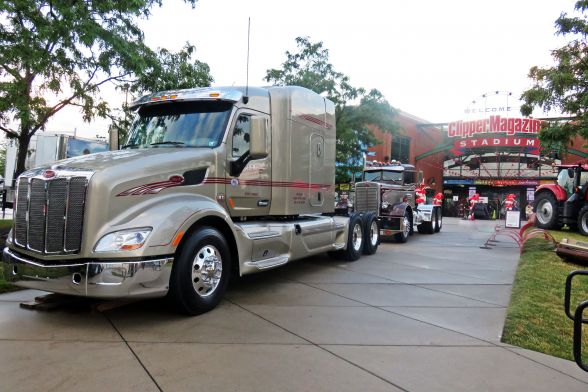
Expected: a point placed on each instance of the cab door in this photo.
(248, 188)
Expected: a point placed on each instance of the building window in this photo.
(401, 149)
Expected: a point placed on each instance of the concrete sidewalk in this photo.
(422, 316)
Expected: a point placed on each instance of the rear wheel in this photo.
(201, 272)
(355, 241)
(434, 221)
(402, 237)
(583, 220)
(546, 211)
(439, 220)
(371, 234)
(428, 227)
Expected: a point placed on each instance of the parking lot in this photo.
(422, 316)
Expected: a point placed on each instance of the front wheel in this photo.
(201, 272)
(402, 237)
(583, 220)
(546, 211)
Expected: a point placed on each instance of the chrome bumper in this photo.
(149, 278)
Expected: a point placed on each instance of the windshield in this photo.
(383, 175)
(180, 124)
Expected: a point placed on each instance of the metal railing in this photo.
(577, 317)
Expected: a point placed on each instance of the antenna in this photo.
(246, 97)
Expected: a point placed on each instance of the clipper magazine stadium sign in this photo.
(495, 132)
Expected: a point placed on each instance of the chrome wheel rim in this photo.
(544, 211)
(374, 233)
(207, 269)
(357, 237)
(406, 230)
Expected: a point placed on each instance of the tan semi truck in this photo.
(211, 183)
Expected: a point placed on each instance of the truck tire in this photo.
(355, 241)
(200, 272)
(546, 211)
(427, 227)
(402, 237)
(439, 220)
(371, 234)
(583, 220)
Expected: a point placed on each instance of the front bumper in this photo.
(109, 279)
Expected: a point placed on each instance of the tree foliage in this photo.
(175, 70)
(564, 86)
(309, 67)
(55, 54)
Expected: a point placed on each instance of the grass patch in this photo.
(5, 223)
(6, 287)
(536, 318)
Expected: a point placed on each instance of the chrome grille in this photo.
(366, 197)
(50, 213)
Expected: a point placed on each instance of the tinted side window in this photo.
(409, 177)
(241, 135)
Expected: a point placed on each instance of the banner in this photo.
(527, 145)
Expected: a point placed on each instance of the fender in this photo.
(398, 209)
(168, 216)
(559, 193)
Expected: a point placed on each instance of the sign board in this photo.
(472, 191)
(530, 194)
(483, 199)
(513, 219)
(455, 198)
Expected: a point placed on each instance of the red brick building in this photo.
(411, 142)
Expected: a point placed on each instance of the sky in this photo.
(429, 58)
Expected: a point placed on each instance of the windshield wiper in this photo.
(129, 146)
(168, 142)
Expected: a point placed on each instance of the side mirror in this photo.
(258, 146)
(571, 172)
(420, 178)
(113, 139)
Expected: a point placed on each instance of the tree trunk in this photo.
(21, 156)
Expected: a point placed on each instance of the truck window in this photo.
(241, 135)
(383, 175)
(409, 177)
(180, 124)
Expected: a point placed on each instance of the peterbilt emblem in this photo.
(49, 174)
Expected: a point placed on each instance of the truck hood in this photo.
(133, 159)
(118, 171)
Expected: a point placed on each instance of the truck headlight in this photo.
(123, 240)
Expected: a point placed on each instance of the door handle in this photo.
(263, 203)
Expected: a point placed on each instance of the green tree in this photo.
(564, 86)
(175, 70)
(3, 148)
(55, 54)
(309, 67)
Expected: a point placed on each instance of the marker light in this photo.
(214, 95)
(123, 240)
